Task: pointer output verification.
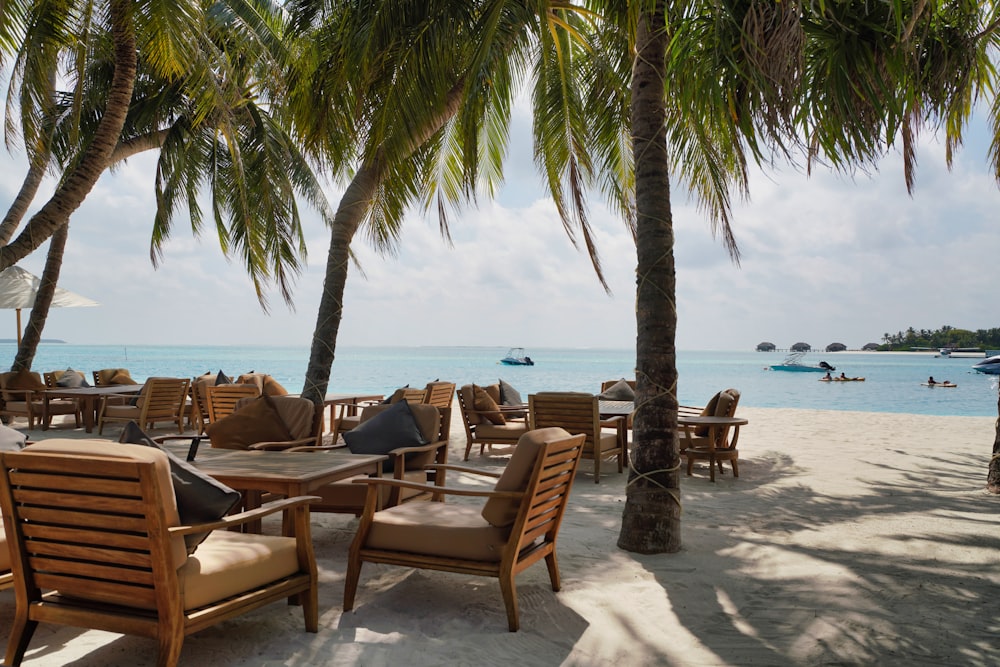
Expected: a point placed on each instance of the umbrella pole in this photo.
(18, 327)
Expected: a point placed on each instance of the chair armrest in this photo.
(282, 445)
(429, 447)
(316, 448)
(164, 439)
(443, 490)
(245, 517)
(465, 469)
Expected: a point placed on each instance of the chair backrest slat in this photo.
(548, 491)
(575, 412)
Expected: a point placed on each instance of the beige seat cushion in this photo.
(508, 430)
(123, 411)
(228, 563)
(469, 398)
(440, 529)
(609, 440)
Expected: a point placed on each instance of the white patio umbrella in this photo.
(19, 287)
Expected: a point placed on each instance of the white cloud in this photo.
(825, 259)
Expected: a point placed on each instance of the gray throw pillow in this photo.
(509, 395)
(11, 440)
(390, 429)
(71, 379)
(200, 498)
(222, 378)
(619, 391)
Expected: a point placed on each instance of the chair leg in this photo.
(597, 468)
(690, 465)
(736, 468)
(20, 636)
(354, 564)
(171, 641)
(509, 592)
(310, 607)
(468, 448)
(553, 565)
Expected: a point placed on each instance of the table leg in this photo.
(89, 413)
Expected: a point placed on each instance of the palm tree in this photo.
(227, 137)
(428, 87)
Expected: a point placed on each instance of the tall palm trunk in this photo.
(651, 518)
(78, 184)
(993, 476)
(29, 188)
(352, 209)
(43, 300)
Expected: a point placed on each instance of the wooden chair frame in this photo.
(472, 435)
(580, 413)
(221, 400)
(164, 399)
(89, 539)
(37, 405)
(717, 446)
(532, 537)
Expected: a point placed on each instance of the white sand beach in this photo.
(849, 538)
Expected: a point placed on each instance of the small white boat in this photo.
(793, 362)
(517, 357)
(990, 366)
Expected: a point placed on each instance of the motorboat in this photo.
(517, 357)
(990, 366)
(793, 362)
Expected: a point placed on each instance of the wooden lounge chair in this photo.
(713, 444)
(516, 527)
(23, 394)
(96, 542)
(580, 413)
(161, 399)
(479, 429)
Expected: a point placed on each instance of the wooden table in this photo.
(287, 474)
(714, 424)
(610, 409)
(88, 399)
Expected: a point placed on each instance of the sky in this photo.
(825, 258)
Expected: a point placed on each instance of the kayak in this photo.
(841, 379)
(939, 384)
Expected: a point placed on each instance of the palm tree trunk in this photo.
(993, 477)
(29, 187)
(77, 185)
(43, 300)
(352, 209)
(651, 518)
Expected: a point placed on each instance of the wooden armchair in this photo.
(221, 400)
(161, 399)
(350, 417)
(23, 394)
(96, 542)
(109, 376)
(439, 394)
(405, 463)
(480, 429)
(515, 528)
(713, 444)
(580, 413)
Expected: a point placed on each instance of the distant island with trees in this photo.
(946, 336)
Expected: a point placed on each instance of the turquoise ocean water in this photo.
(892, 380)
